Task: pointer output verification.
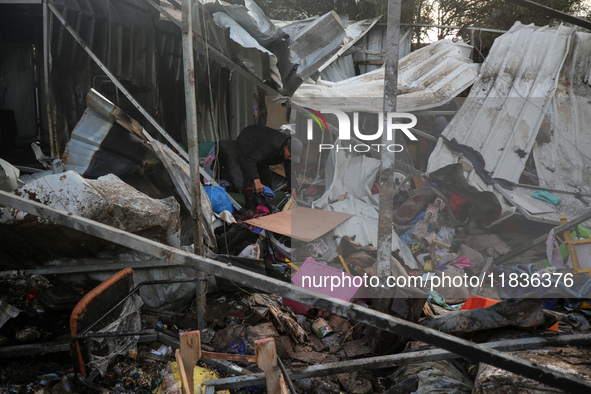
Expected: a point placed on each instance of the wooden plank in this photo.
(190, 350)
(306, 224)
(246, 278)
(228, 357)
(266, 355)
(485, 268)
(183, 373)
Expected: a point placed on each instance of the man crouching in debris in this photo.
(258, 148)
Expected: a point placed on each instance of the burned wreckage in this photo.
(129, 265)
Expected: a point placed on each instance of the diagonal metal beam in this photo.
(553, 13)
(398, 359)
(244, 277)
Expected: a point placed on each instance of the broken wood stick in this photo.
(183, 372)
(487, 265)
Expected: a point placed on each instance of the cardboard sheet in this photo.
(301, 223)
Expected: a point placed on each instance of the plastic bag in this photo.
(219, 199)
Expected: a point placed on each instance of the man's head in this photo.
(293, 150)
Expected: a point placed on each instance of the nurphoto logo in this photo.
(344, 122)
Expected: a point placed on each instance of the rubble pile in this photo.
(117, 278)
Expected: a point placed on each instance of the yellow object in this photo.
(200, 377)
(344, 265)
(429, 266)
(292, 265)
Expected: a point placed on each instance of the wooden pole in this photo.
(193, 139)
(53, 142)
(387, 158)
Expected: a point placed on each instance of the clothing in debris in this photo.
(477, 161)
(259, 147)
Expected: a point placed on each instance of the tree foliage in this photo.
(492, 14)
(497, 14)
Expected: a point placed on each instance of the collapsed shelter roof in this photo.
(531, 97)
(428, 77)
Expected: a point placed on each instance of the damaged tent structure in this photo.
(125, 190)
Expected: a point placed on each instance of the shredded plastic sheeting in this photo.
(347, 174)
(129, 320)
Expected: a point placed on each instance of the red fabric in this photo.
(456, 203)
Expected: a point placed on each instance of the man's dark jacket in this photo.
(261, 146)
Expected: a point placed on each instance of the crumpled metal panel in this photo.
(428, 77)
(106, 140)
(502, 116)
(299, 55)
(505, 108)
(252, 18)
(354, 33)
(240, 36)
(309, 48)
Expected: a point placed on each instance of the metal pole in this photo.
(53, 143)
(193, 140)
(384, 251)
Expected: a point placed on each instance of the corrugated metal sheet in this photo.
(563, 162)
(506, 106)
(427, 78)
(531, 98)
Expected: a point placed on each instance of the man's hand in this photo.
(258, 186)
(293, 193)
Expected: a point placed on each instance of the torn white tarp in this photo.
(364, 226)
(347, 174)
(180, 173)
(9, 176)
(427, 78)
(107, 199)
